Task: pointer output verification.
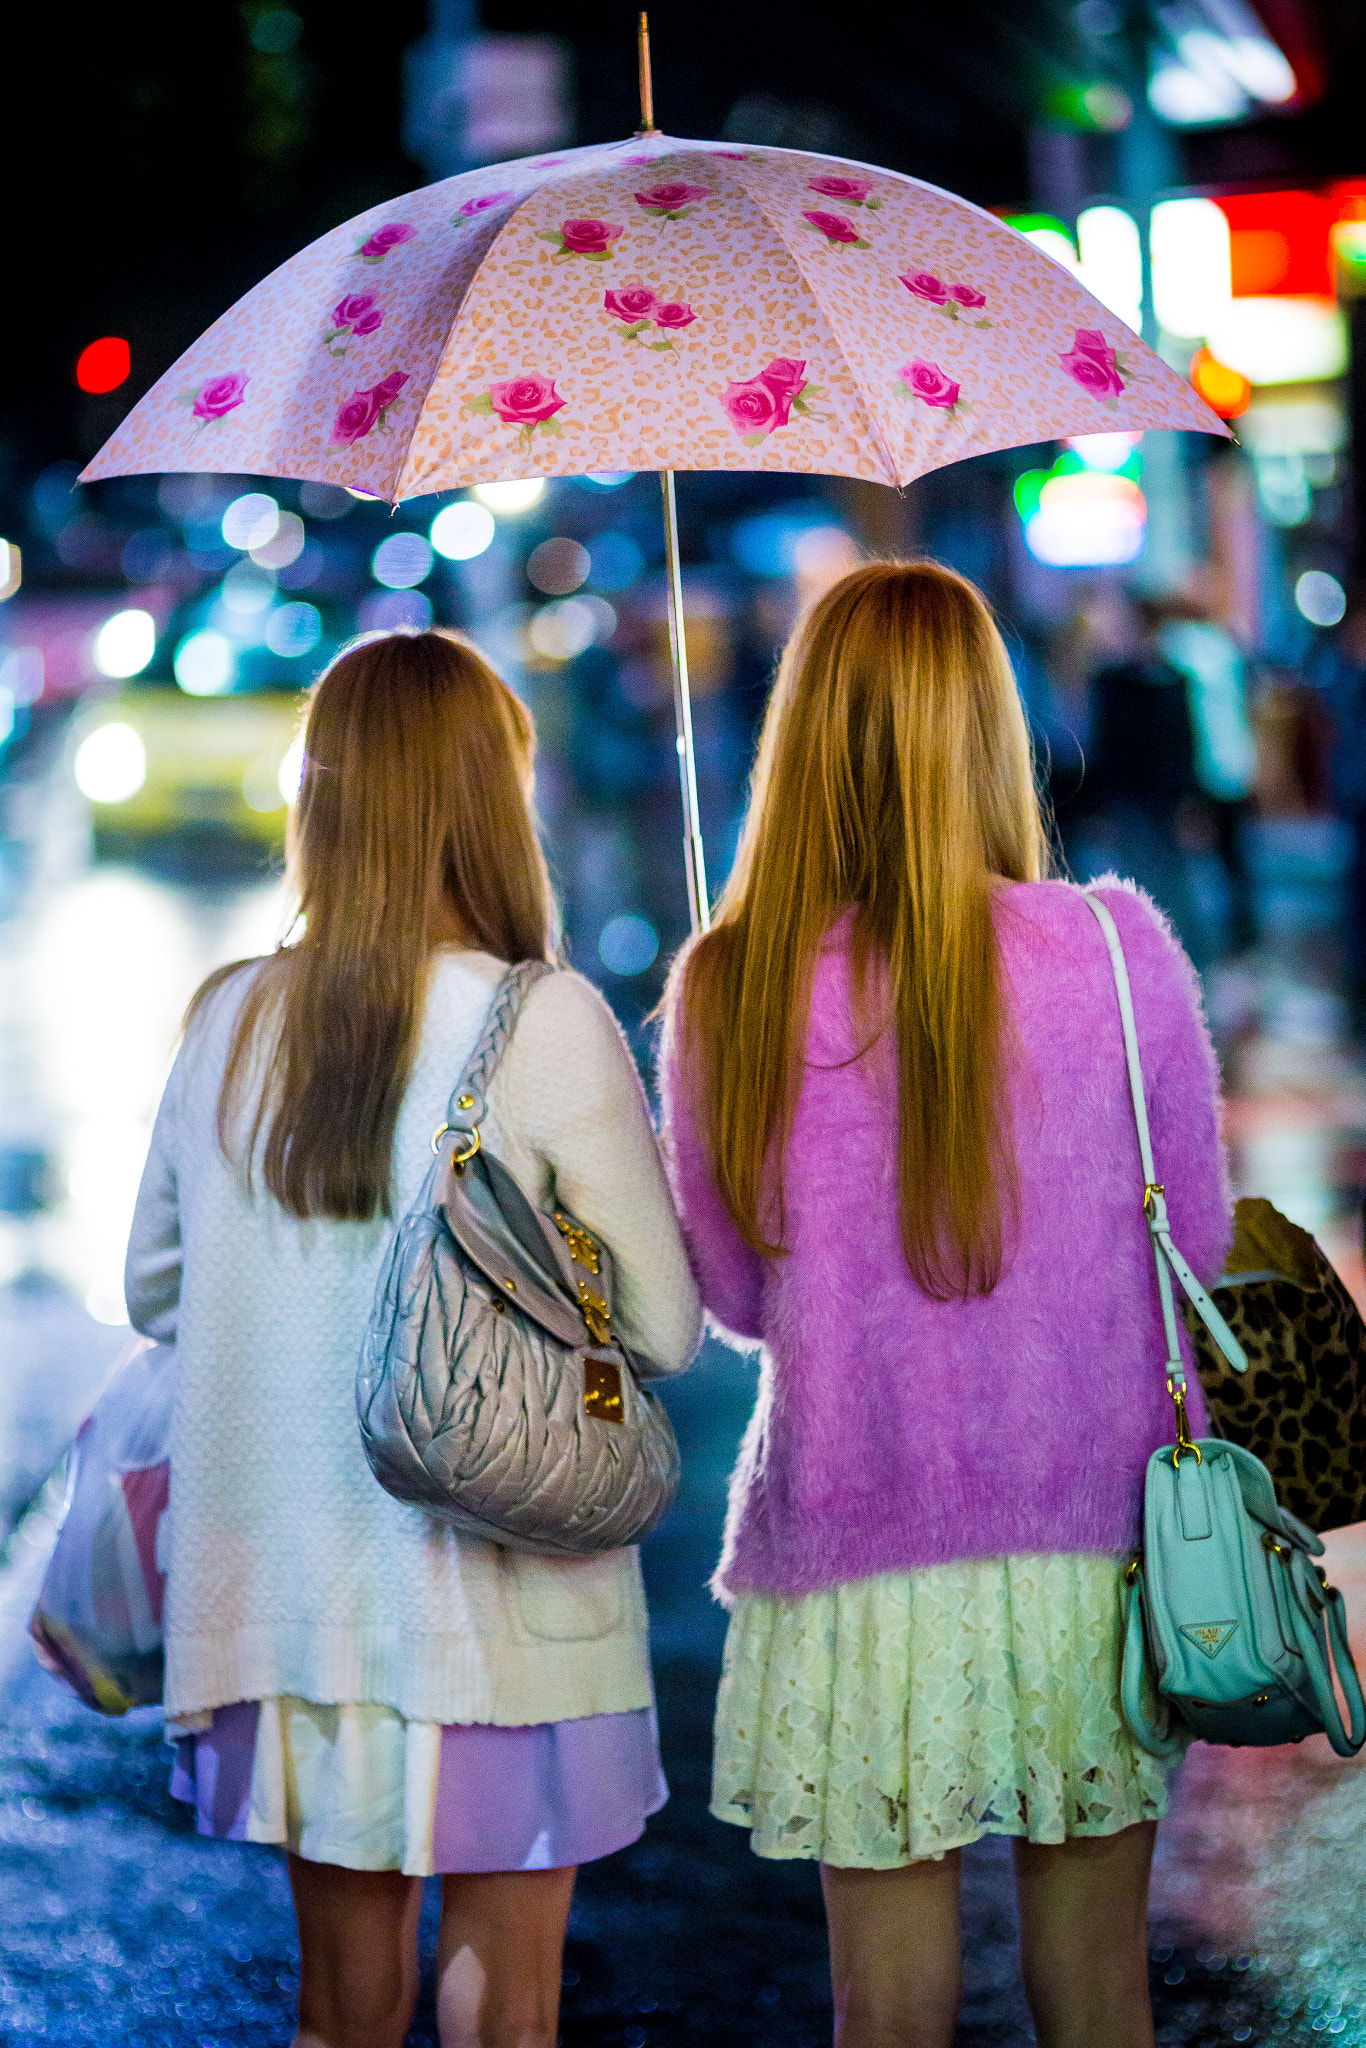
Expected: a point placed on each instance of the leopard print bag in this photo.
(1301, 1407)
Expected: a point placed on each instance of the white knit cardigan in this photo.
(289, 1569)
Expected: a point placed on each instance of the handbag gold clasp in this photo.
(1185, 1442)
(1151, 1190)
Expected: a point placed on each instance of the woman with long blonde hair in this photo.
(348, 1678)
(904, 1154)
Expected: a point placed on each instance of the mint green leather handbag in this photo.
(1229, 1623)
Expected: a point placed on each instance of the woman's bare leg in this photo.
(1084, 1938)
(896, 1966)
(500, 1956)
(357, 1954)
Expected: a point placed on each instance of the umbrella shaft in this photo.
(698, 905)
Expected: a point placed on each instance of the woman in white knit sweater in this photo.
(346, 1677)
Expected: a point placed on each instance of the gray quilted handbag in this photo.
(491, 1389)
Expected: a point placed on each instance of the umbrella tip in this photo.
(647, 90)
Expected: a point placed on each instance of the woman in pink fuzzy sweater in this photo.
(904, 1155)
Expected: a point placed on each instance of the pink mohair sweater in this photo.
(892, 1430)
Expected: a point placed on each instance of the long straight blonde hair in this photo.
(413, 817)
(894, 779)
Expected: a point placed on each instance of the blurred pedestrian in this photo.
(1140, 771)
(1225, 752)
(903, 1149)
(347, 1677)
(1340, 673)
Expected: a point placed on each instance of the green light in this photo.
(1028, 223)
(1028, 490)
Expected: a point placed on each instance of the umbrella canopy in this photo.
(651, 304)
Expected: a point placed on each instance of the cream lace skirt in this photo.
(897, 1717)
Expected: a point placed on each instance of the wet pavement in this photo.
(117, 1924)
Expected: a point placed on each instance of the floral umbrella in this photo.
(651, 304)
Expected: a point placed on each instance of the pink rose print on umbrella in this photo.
(672, 201)
(947, 298)
(1096, 367)
(592, 239)
(481, 205)
(735, 156)
(215, 399)
(839, 233)
(932, 386)
(634, 304)
(391, 236)
(355, 315)
(365, 410)
(853, 191)
(639, 309)
(528, 401)
(759, 405)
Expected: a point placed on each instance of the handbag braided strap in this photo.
(468, 1105)
(1165, 1253)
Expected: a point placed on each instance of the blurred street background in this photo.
(1188, 622)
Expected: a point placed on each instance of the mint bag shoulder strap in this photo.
(1168, 1259)
(468, 1105)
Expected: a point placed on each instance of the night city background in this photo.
(1201, 164)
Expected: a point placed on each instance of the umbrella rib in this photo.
(884, 450)
(465, 297)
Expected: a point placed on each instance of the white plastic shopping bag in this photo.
(97, 1622)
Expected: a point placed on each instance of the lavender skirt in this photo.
(358, 1786)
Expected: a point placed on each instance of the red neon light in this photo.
(1279, 244)
(104, 364)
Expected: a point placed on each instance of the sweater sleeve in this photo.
(729, 1273)
(1180, 1082)
(569, 1085)
(152, 1269)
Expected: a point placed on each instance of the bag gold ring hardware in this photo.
(473, 1145)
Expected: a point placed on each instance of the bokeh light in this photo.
(402, 561)
(126, 643)
(325, 501)
(1082, 518)
(617, 560)
(462, 531)
(1111, 256)
(285, 545)
(247, 589)
(1280, 341)
(1192, 265)
(294, 629)
(276, 31)
(628, 944)
(570, 626)
(1104, 451)
(511, 497)
(1225, 391)
(104, 364)
(110, 764)
(205, 664)
(251, 521)
(1320, 598)
(292, 769)
(394, 611)
(558, 566)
